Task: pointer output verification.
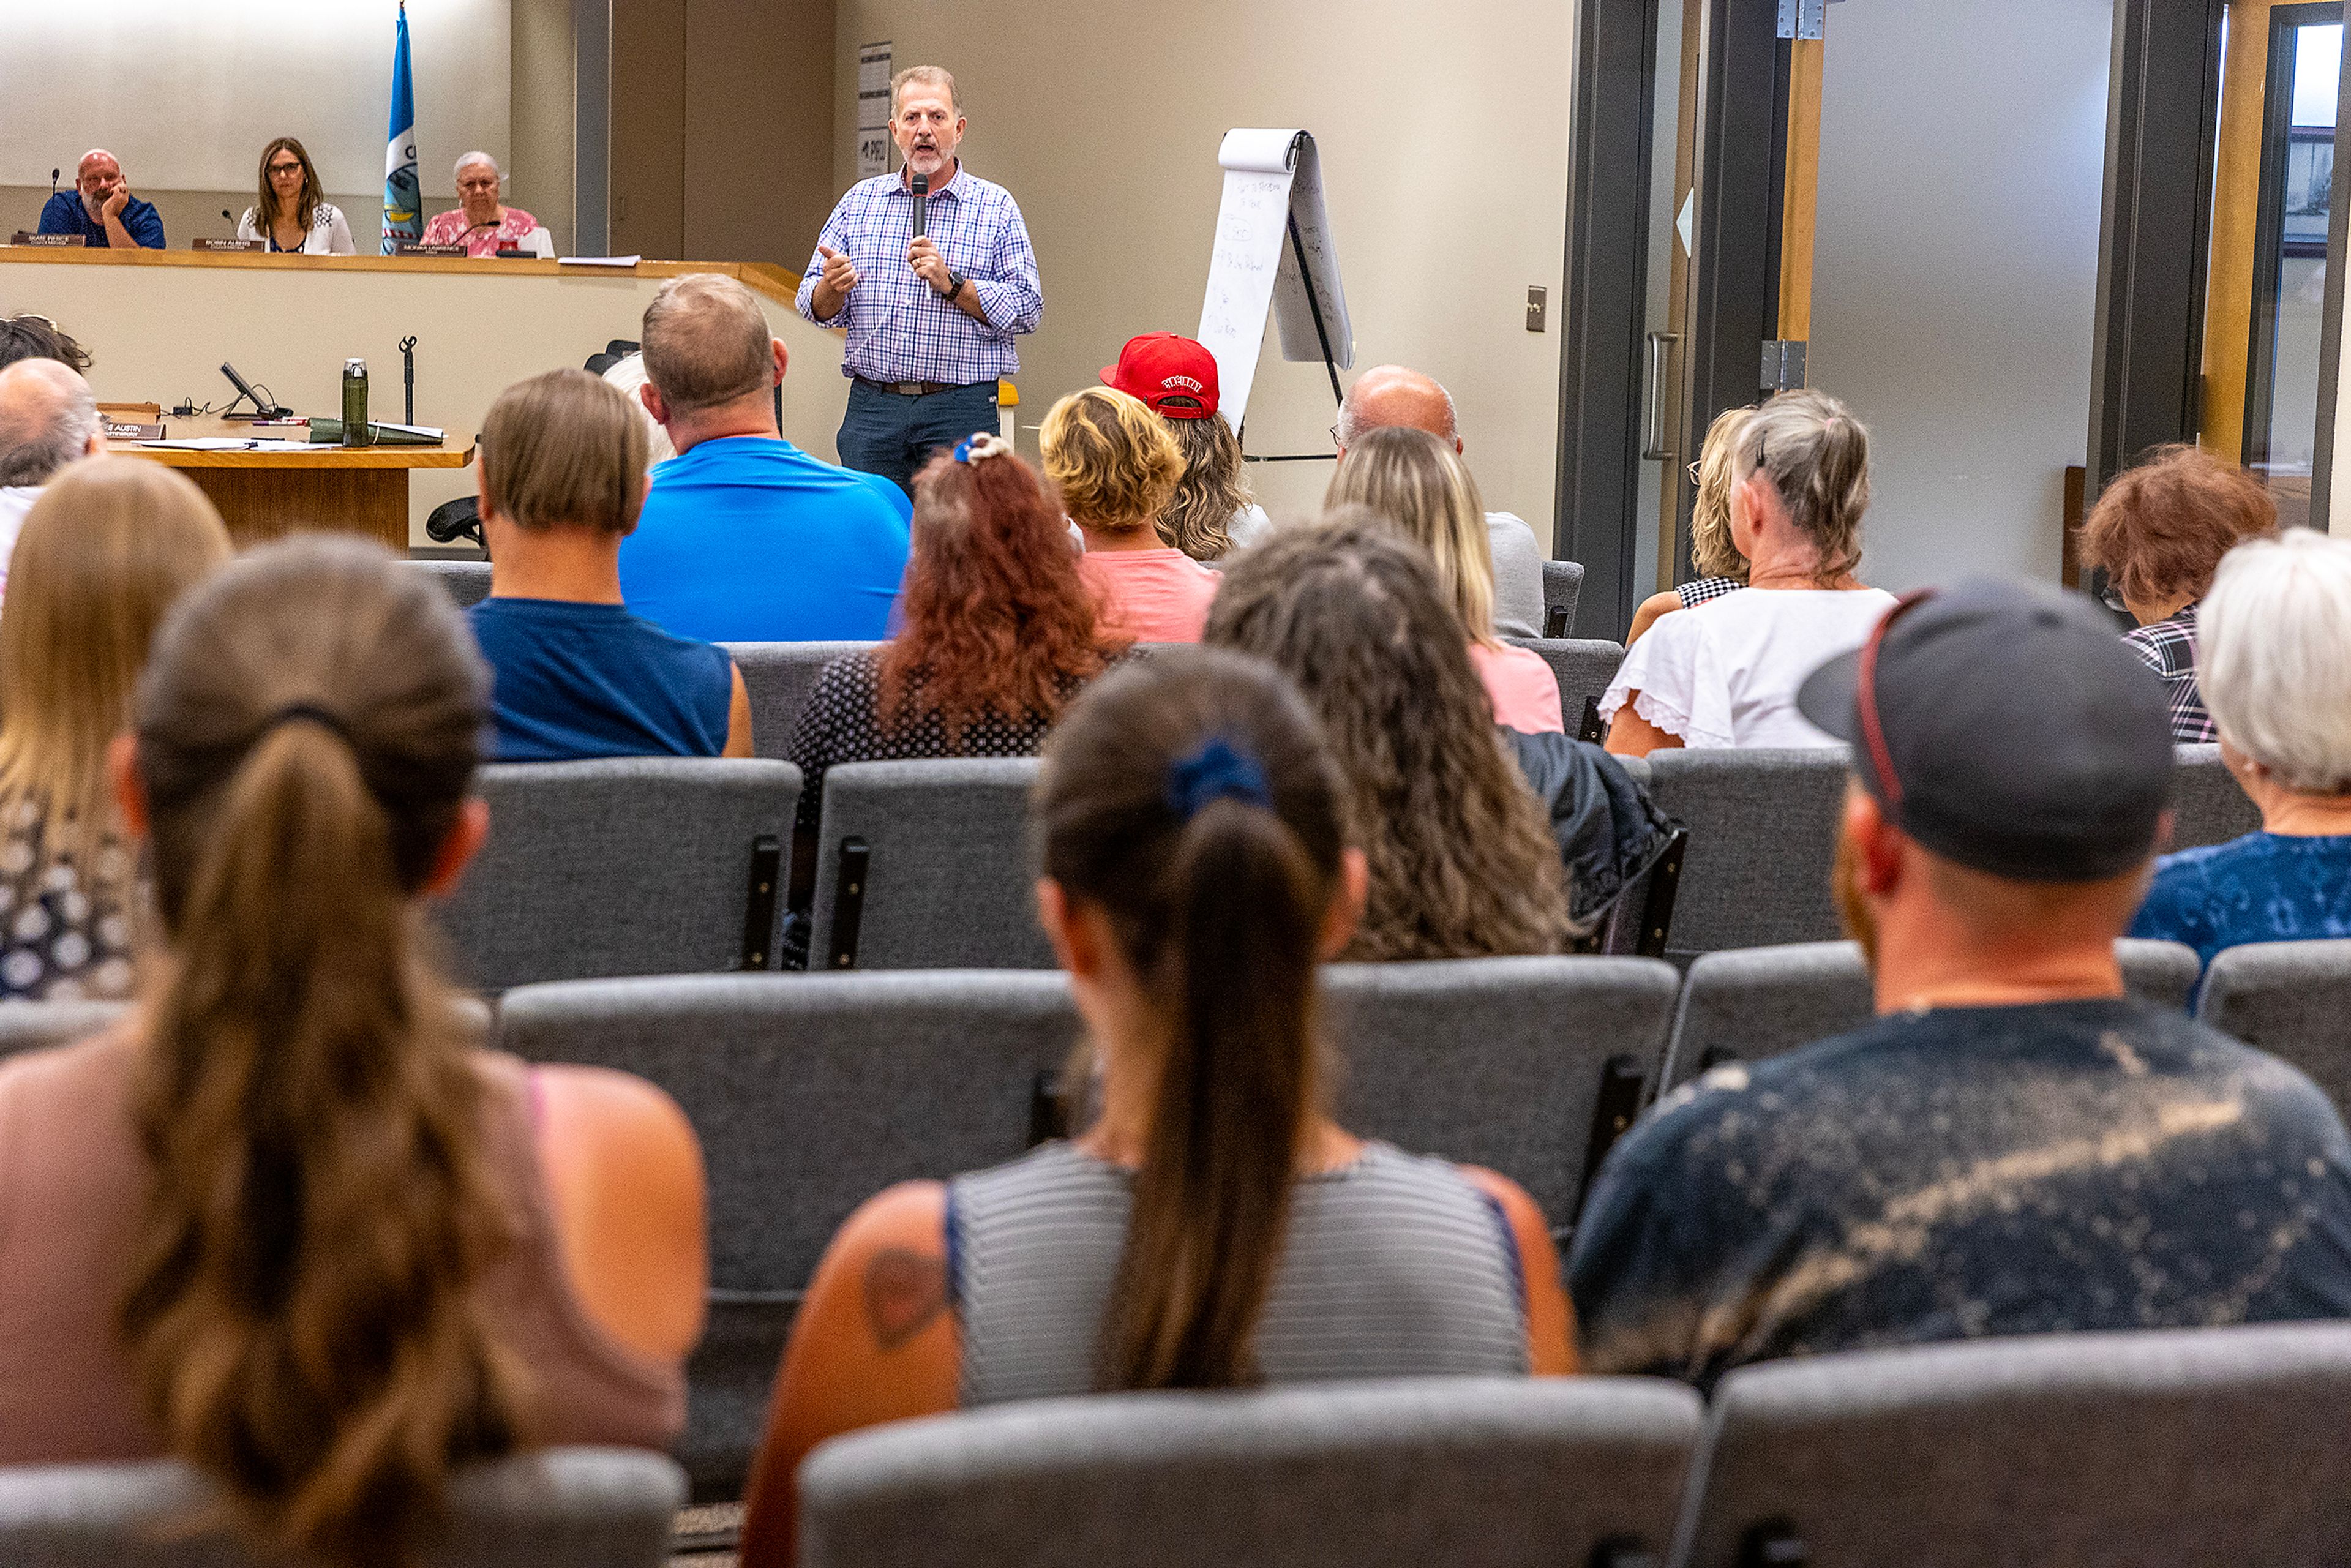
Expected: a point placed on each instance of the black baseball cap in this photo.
(2005, 727)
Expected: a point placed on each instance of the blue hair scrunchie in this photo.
(1216, 770)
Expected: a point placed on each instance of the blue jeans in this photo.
(885, 434)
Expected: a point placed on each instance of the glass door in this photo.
(2289, 284)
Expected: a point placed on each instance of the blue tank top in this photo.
(573, 681)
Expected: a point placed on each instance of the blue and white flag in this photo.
(403, 215)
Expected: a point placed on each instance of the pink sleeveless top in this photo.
(71, 1183)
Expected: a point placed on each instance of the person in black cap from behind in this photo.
(2013, 1147)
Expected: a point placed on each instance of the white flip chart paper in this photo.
(1273, 183)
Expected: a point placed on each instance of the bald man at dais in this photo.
(102, 209)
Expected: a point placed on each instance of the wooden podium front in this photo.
(264, 495)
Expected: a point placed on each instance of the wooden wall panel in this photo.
(758, 128)
(2236, 202)
(648, 166)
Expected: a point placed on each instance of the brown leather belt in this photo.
(913, 388)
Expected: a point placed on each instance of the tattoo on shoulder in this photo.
(904, 1292)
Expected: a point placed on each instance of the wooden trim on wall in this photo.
(1806, 62)
(2236, 210)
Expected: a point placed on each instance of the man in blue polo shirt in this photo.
(744, 537)
(102, 209)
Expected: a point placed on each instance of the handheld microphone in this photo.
(921, 203)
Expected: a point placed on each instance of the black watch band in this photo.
(956, 280)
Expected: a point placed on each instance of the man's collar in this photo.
(946, 187)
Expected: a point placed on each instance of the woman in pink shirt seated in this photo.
(1116, 468)
(1419, 485)
(483, 224)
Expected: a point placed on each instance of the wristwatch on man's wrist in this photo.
(956, 280)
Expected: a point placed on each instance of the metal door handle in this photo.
(1653, 412)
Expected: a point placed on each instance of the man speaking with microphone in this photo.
(931, 271)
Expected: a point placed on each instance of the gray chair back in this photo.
(583, 1508)
(640, 865)
(2194, 1448)
(2206, 805)
(1582, 666)
(1762, 835)
(2291, 999)
(779, 678)
(924, 865)
(1521, 1474)
(811, 1093)
(1528, 1066)
(1754, 1003)
(34, 1026)
(468, 581)
(1563, 582)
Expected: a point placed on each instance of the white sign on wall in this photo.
(1273, 189)
(873, 110)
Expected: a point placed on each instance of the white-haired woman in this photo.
(2274, 662)
(481, 222)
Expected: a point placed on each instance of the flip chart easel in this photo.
(1273, 251)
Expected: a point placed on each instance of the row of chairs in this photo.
(811, 1093)
(2200, 1449)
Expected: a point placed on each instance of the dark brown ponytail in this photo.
(301, 1314)
(1191, 800)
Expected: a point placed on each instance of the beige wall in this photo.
(291, 326)
(1444, 146)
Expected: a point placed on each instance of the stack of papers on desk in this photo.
(229, 444)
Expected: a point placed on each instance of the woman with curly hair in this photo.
(1116, 469)
(1462, 863)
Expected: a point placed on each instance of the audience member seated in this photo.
(2159, 530)
(102, 209)
(1390, 395)
(626, 375)
(30, 336)
(573, 673)
(48, 418)
(2277, 674)
(292, 211)
(1116, 468)
(481, 222)
(1462, 863)
(102, 556)
(1214, 1229)
(745, 538)
(1176, 377)
(284, 1223)
(1721, 569)
(2014, 1147)
(1418, 485)
(1726, 673)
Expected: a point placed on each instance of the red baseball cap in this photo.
(1174, 374)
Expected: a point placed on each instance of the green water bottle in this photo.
(355, 410)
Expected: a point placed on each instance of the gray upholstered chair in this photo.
(779, 678)
(1755, 1002)
(925, 865)
(1518, 1474)
(631, 866)
(1763, 826)
(1582, 666)
(2291, 999)
(581, 1507)
(2197, 1448)
(1563, 582)
(1530, 1066)
(468, 581)
(30, 1026)
(2206, 805)
(811, 1093)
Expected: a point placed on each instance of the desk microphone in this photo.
(225, 214)
(53, 180)
(921, 203)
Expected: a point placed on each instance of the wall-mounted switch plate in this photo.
(1536, 296)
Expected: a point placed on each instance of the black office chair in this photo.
(454, 520)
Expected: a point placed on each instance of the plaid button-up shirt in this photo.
(2168, 648)
(900, 328)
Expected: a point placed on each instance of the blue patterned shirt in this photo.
(900, 328)
(2263, 887)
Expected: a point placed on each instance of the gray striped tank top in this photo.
(1394, 1266)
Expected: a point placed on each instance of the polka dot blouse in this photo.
(62, 937)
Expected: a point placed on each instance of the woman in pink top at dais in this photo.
(1116, 468)
(1419, 485)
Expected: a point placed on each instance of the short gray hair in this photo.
(47, 416)
(459, 167)
(929, 75)
(1352, 427)
(706, 343)
(2273, 657)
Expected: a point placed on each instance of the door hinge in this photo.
(1784, 367)
(1802, 18)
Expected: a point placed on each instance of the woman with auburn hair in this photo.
(1720, 568)
(285, 1222)
(1420, 487)
(1214, 1227)
(1116, 469)
(2160, 531)
(1463, 864)
(104, 552)
(292, 212)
